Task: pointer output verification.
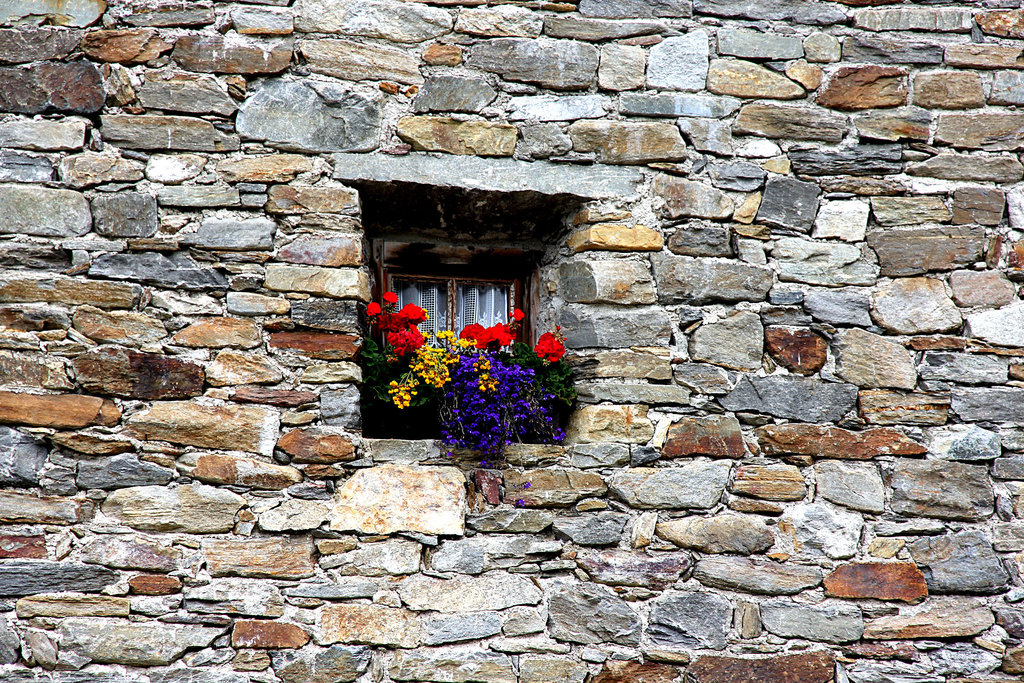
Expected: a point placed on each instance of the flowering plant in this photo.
(485, 389)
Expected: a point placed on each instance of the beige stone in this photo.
(294, 514)
(622, 142)
(622, 423)
(298, 199)
(391, 498)
(339, 283)
(28, 509)
(444, 134)
(870, 360)
(947, 619)
(191, 509)
(623, 67)
(271, 168)
(361, 61)
(740, 78)
(225, 469)
(914, 305)
(65, 605)
(949, 90)
(909, 210)
(807, 75)
(232, 367)
(328, 373)
(229, 427)
(220, 332)
(120, 327)
(615, 237)
(370, 625)
(281, 557)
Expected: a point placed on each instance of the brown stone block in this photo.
(317, 445)
(225, 469)
(64, 411)
(770, 482)
(71, 606)
(220, 332)
(154, 584)
(826, 441)
(370, 625)
(322, 345)
(444, 134)
(27, 372)
(882, 407)
(635, 672)
(334, 251)
(91, 445)
(949, 90)
(228, 427)
(29, 509)
(68, 291)
(231, 55)
(275, 397)
(30, 547)
(551, 487)
(262, 558)
(621, 142)
(995, 132)
(75, 87)
(877, 580)
(854, 88)
(259, 633)
(796, 349)
(296, 199)
(438, 54)
(614, 237)
(124, 46)
(270, 168)
(120, 372)
(919, 249)
(808, 667)
(718, 437)
(981, 205)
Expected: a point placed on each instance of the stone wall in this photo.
(790, 280)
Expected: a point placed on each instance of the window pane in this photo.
(483, 304)
(431, 296)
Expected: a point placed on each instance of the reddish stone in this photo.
(488, 483)
(770, 482)
(865, 87)
(154, 584)
(902, 651)
(826, 441)
(215, 54)
(718, 437)
(443, 55)
(635, 672)
(317, 445)
(808, 667)
(267, 634)
(980, 205)
(275, 397)
(1013, 661)
(31, 44)
(65, 411)
(75, 87)
(1017, 371)
(125, 45)
(33, 547)
(220, 332)
(883, 407)
(226, 469)
(322, 345)
(878, 580)
(796, 349)
(120, 372)
(1005, 23)
(936, 343)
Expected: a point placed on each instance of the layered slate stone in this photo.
(915, 250)
(131, 45)
(757, 576)
(282, 557)
(694, 485)
(606, 327)
(830, 623)
(683, 279)
(153, 268)
(555, 64)
(63, 411)
(712, 436)
(495, 590)
(21, 458)
(943, 489)
(589, 614)
(624, 568)
(166, 132)
(230, 427)
(231, 54)
(137, 644)
(31, 577)
(959, 563)
(194, 508)
(725, 533)
(793, 122)
(386, 19)
(795, 398)
(391, 498)
(354, 61)
(311, 118)
(867, 87)
(946, 619)
(32, 210)
(627, 142)
(698, 619)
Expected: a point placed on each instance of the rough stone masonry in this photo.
(791, 284)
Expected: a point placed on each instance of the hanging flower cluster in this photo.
(487, 389)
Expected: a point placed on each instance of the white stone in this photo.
(622, 67)
(294, 515)
(393, 556)
(391, 498)
(822, 47)
(854, 485)
(759, 149)
(1015, 207)
(679, 63)
(495, 590)
(400, 22)
(172, 169)
(846, 220)
(503, 20)
(815, 529)
(1002, 326)
(553, 108)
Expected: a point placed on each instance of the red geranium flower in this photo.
(373, 309)
(391, 298)
(517, 315)
(550, 348)
(405, 341)
(413, 314)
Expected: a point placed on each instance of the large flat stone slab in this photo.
(490, 175)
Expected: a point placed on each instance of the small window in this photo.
(454, 303)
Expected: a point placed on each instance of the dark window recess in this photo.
(458, 285)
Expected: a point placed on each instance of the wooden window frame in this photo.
(455, 264)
